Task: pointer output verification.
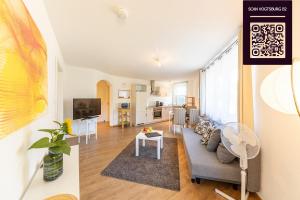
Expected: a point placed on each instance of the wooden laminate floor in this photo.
(94, 157)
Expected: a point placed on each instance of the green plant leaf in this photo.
(66, 149)
(58, 123)
(61, 143)
(41, 143)
(48, 130)
(64, 128)
(60, 137)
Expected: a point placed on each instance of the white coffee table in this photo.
(142, 136)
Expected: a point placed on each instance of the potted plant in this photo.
(57, 146)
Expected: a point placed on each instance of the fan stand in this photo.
(244, 193)
(239, 136)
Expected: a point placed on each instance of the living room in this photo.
(172, 107)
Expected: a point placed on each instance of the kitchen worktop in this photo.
(166, 106)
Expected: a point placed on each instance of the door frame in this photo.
(109, 111)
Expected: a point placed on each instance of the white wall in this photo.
(279, 134)
(280, 140)
(17, 163)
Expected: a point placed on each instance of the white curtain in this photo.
(221, 88)
(202, 92)
(179, 93)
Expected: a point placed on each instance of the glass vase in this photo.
(53, 166)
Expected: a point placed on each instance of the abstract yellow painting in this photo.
(23, 68)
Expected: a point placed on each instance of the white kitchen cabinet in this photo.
(141, 117)
(150, 115)
(139, 104)
(141, 88)
(141, 107)
(165, 112)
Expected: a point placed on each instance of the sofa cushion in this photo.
(223, 155)
(197, 128)
(207, 128)
(214, 140)
(204, 164)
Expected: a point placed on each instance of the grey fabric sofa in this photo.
(205, 165)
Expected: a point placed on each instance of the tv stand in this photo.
(90, 117)
(87, 126)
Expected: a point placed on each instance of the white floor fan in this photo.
(242, 142)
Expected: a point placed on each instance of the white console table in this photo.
(67, 183)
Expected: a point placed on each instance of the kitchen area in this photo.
(159, 112)
(150, 104)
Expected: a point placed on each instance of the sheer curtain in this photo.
(179, 93)
(221, 88)
(202, 92)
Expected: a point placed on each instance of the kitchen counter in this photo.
(159, 106)
(164, 113)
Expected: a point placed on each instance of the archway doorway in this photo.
(103, 92)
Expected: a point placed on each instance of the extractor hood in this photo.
(155, 91)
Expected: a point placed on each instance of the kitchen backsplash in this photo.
(152, 100)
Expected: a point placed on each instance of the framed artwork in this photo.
(23, 68)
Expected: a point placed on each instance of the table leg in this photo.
(136, 147)
(174, 128)
(169, 123)
(144, 143)
(158, 149)
(162, 142)
(96, 128)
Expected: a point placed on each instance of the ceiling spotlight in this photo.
(121, 13)
(157, 61)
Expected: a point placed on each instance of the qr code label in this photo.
(267, 40)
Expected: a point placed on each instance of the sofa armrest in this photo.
(254, 171)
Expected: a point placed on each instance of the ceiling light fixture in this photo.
(157, 61)
(121, 13)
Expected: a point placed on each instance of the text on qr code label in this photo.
(267, 40)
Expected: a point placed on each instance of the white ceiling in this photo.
(184, 34)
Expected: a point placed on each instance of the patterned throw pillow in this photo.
(207, 128)
(202, 126)
(214, 140)
(197, 128)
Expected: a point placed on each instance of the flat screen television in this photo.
(86, 108)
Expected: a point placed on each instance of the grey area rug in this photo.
(145, 168)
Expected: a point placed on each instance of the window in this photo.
(179, 93)
(219, 88)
